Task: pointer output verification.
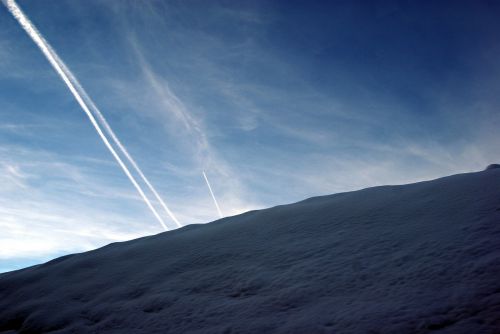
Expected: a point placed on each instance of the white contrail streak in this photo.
(113, 136)
(56, 62)
(212, 193)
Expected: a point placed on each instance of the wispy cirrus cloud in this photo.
(47, 205)
(194, 136)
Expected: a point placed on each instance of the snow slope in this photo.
(415, 258)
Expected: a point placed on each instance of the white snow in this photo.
(416, 258)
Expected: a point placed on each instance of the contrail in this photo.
(213, 196)
(117, 141)
(57, 64)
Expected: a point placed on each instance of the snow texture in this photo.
(418, 258)
(493, 166)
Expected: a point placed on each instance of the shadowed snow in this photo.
(415, 258)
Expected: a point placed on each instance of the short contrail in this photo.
(60, 68)
(213, 196)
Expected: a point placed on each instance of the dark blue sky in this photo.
(276, 100)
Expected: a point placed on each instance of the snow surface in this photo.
(416, 258)
(493, 166)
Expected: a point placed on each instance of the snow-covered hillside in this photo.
(416, 258)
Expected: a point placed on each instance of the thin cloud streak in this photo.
(212, 194)
(171, 102)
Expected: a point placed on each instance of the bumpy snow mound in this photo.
(417, 258)
(493, 166)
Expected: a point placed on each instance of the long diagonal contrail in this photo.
(213, 196)
(113, 136)
(77, 91)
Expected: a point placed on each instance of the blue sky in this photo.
(277, 100)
